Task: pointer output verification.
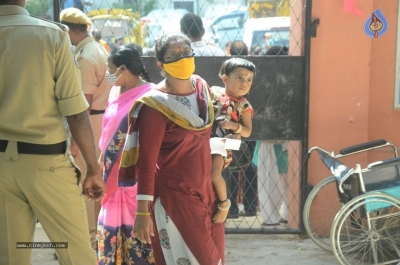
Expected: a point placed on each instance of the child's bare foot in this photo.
(220, 216)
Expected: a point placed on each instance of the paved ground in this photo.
(240, 250)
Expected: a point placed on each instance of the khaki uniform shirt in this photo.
(92, 59)
(40, 80)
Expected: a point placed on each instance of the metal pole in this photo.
(56, 10)
(307, 55)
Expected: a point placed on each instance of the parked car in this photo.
(157, 22)
(278, 27)
(230, 27)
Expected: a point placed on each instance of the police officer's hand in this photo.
(93, 185)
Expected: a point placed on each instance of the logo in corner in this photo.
(376, 24)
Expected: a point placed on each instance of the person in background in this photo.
(238, 47)
(97, 37)
(250, 188)
(268, 40)
(129, 80)
(192, 26)
(236, 113)
(149, 52)
(91, 58)
(138, 48)
(256, 49)
(272, 173)
(119, 41)
(272, 181)
(73, 3)
(176, 199)
(41, 104)
(277, 50)
(87, 6)
(228, 48)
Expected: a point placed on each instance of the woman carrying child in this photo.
(168, 150)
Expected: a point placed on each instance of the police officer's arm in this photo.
(81, 129)
(73, 105)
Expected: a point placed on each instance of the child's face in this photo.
(238, 83)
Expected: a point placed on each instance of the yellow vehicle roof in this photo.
(119, 17)
(109, 13)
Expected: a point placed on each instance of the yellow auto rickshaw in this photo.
(116, 23)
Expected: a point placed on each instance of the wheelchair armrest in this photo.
(385, 163)
(305, 159)
(363, 146)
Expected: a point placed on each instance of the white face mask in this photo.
(112, 78)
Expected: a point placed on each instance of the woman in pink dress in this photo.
(117, 243)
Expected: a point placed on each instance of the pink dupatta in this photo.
(116, 111)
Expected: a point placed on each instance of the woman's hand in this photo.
(143, 228)
(228, 125)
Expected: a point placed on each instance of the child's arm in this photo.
(235, 127)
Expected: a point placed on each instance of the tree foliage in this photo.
(38, 8)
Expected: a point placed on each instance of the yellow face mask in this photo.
(183, 68)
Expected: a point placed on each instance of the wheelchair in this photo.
(355, 212)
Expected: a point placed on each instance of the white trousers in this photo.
(271, 185)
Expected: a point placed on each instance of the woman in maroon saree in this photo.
(168, 150)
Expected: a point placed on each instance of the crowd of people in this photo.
(75, 123)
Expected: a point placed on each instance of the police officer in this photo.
(92, 59)
(40, 98)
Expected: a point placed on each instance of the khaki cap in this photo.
(75, 16)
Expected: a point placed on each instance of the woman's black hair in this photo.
(165, 40)
(129, 56)
(277, 50)
(230, 65)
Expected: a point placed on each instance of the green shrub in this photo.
(38, 8)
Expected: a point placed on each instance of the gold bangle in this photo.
(142, 213)
(239, 129)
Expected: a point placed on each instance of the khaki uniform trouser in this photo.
(92, 207)
(46, 187)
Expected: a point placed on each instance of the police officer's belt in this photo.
(36, 149)
(96, 112)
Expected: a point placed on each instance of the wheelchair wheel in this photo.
(320, 208)
(367, 230)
